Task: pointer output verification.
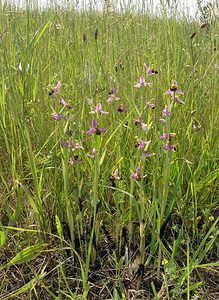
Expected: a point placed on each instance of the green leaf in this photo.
(26, 287)
(193, 287)
(2, 238)
(38, 34)
(102, 157)
(59, 226)
(27, 254)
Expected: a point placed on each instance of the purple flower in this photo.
(172, 135)
(70, 144)
(67, 105)
(137, 122)
(95, 129)
(57, 87)
(141, 82)
(178, 100)
(113, 95)
(150, 105)
(57, 116)
(149, 70)
(137, 174)
(140, 144)
(121, 108)
(147, 154)
(166, 111)
(55, 90)
(67, 144)
(169, 136)
(78, 146)
(173, 89)
(164, 136)
(93, 153)
(99, 110)
(115, 175)
(75, 160)
(169, 146)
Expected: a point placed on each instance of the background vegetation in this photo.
(71, 227)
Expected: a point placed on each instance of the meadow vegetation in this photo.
(109, 155)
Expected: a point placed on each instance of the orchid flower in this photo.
(95, 129)
(142, 82)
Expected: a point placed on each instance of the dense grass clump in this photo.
(109, 155)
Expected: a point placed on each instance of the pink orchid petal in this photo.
(94, 123)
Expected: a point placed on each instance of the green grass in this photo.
(72, 231)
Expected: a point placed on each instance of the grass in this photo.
(76, 231)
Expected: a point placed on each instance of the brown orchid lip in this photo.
(121, 108)
(193, 35)
(203, 25)
(51, 93)
(69, 106)
(173, 88)
(98, 132)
